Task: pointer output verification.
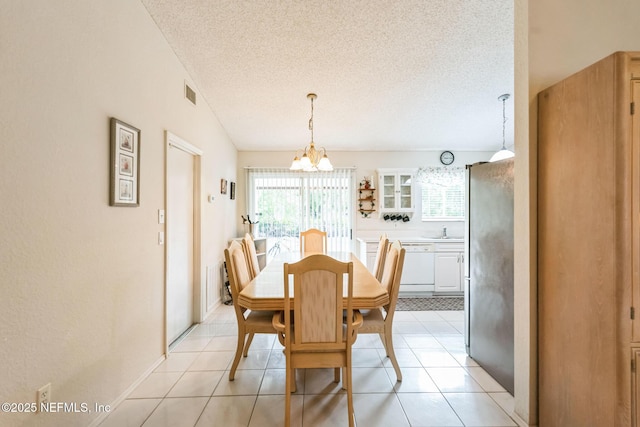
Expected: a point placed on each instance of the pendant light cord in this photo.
(311, 120)
(504, 122)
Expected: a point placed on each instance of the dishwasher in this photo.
(418, 276)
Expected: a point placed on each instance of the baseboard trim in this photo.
(103, 415)
(520, 421)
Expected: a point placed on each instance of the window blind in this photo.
(443, 193)
(287, 202)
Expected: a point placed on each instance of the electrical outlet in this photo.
(44, 395)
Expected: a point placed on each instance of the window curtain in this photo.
(285, 202)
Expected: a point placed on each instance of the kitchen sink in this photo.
(439, 239)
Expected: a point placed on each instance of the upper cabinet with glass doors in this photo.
(396, 191)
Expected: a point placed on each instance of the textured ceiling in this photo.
(389, 75)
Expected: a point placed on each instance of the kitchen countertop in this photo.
(413, 239)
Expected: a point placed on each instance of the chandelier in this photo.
(312, 159)
(503, 153)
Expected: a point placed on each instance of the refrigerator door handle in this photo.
(467, 315)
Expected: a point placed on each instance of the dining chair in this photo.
(383, 247)
(311, 325)
(377, 321)
(253, 322)
(313, 241)
(252, 255)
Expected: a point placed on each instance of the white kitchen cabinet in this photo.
(396, 191)
(449, 272)
(430, 265)
(449, 267)
(367, 251)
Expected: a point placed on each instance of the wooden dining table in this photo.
(266, 290)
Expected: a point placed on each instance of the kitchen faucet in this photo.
(444, 232)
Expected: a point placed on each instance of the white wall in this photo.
(567, 36)
(366, 165)
(82, 283)
(525, 232)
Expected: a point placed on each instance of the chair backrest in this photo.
(313, 241)
(391, 275)
(252, 255)
(383, 247)
(237, 270)
(318, 286)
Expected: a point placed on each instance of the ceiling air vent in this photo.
(190, 94)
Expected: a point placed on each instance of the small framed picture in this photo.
(233, 191)
(124, 165)
(223, 186)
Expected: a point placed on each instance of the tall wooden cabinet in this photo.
(589, 246)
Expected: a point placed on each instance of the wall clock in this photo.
(446, 158)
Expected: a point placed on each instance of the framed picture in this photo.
(124, 165)
(233, 191)
(223, 186)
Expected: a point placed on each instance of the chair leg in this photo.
(384, 343)
(349, 396)
(336, 375)
(248, 343)
(388, 340)
(236, 359)
(294, 386)
(290, 379)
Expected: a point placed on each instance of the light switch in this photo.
(161, 237)
(160, 216)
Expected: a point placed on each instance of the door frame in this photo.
(174, 141)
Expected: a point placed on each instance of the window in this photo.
(443, 193)
(286, 202)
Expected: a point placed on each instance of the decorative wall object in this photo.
(233, 191)
(223, 186)
(366, 197)
(124, 165)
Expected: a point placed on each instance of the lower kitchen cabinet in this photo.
(449, 272)
(430, 265)
(366, 250)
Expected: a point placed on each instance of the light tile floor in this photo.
(441, 386)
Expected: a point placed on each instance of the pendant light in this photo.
(503, 153)
(312, 159)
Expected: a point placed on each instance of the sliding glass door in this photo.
(286, 202)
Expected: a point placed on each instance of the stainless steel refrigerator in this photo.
(489, 269)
